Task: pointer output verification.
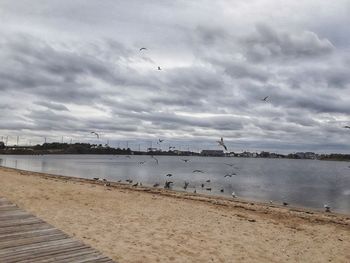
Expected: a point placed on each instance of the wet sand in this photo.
(132, 224)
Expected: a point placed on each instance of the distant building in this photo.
(212, 153)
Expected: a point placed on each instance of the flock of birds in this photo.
(205, 185)
(168, 184)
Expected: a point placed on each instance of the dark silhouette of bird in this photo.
(327, 208)
(202, 185)
(159, 68)
(105, 180)
(285, 203)
(222, 190)
(208, 189)
(186, 185)
(185, 160)
(161, 140)
(129, 181)
(155, 159)
(135, 185)
(143, 48)
(156, 185)
(169, 175)
(171, 147)
(107, 184)
(197, 171)
(96, 178)
(195, 191)
(97, 135)
(221, 143)
(230, 175)
(208, 181)
(265, 99)
(167, 184)
(347, 127)
(142, 162)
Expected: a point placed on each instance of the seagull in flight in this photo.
(97, 135)
(221, 143)
(265, 99)
(197, 171)
(143, 48)
(161, 140)
(155, 159)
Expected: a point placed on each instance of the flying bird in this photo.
(161, 140)
(155, 159)
(143, 48)
(169, 175)
(221, 143)
(230, 175)
(97, 135)
(197, 171)
(265, 99)
(347, 127)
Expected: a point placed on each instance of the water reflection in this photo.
(306, 183)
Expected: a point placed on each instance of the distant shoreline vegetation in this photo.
(86, 148)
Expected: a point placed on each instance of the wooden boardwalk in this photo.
(26, 238)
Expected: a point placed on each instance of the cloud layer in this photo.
(71, 68)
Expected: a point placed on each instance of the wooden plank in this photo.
(25, 238)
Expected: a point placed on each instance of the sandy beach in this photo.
(153, 225)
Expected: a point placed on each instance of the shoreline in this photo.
(259, 206)
(132, 225)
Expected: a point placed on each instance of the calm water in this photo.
(307, 183)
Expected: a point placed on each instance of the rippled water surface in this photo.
(307, 183)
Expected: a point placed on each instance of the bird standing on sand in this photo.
(167, 184)
(97, 135)
(221, 143)
(234, 195)
(186, 185)
(327, 208)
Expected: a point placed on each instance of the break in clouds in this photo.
(71, 68)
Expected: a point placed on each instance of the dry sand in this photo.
(150, 225)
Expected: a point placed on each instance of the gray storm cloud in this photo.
(65, 74)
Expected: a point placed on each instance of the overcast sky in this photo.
(71, 67)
